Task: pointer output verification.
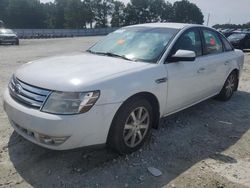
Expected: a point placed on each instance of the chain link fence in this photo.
(60, 33)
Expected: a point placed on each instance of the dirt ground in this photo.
(207, 145)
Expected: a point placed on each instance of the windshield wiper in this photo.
(110, 55)
(117, 55)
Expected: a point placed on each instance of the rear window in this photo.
(237, 36)
(213, 44)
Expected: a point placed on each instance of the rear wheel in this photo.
(131, 126)
(229, 87)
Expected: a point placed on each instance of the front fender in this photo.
(119, 88)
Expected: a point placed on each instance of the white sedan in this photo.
(116, 92)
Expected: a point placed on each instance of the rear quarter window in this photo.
(228, 47)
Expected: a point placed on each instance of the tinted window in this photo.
(237, 36)
(213, 43)
(190, 40)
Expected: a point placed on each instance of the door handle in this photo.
(227, 62)
(201, 70)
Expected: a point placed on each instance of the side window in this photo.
(227, 45)
(213, 43)
(190, 40)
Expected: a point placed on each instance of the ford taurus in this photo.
(116, 91)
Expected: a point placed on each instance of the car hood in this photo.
(73, 72)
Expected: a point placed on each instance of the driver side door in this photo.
(185, 85)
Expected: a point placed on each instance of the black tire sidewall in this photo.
(223, 96)
(116, 140)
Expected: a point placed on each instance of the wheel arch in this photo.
(237, 72)
(151, 98)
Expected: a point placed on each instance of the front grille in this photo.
(26, 94)
(9, 38)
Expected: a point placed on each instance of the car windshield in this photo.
(6, 31)
(135, 43)
(237, 36)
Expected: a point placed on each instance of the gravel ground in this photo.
(207, 145)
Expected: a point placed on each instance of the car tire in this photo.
(17, 42)
(229, 87)
(131, 126)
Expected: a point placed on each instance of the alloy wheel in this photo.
(136, 127)
(230, 85)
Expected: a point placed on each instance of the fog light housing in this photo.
(51, 140)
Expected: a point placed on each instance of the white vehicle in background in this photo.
(7, 36)
(116, 92)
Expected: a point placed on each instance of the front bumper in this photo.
(86, 129)
(8, 40)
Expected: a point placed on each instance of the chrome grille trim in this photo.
(28, 95)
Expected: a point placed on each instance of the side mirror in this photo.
(183, 55)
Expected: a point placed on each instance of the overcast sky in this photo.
(221, 11)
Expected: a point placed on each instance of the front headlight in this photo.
(69, 103)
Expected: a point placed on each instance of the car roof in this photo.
(166, 25)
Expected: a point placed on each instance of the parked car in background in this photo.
(1, 24)
(240, 40)
(7, 36)
(116, 91)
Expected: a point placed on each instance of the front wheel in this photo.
(17, 42)
(131, 126)
(229, 87)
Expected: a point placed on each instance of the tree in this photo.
(3, 12)
(59, 13)
(232, 26)
(167, 13)
(146, 11)
(101, 13)
(102, 9)
(74, 14)
(90, 14)
(50, 15)
(187, 12)
(25, 14)
(118, 15)
(160, 11)
(137, 11)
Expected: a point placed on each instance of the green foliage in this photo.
(102, 9)
(232, 26)
(98, 13)
(186, 12)
(23, 13)
(146, 11)
(118, 15)
(73, 14)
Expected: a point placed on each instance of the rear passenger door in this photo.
(213, 62)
